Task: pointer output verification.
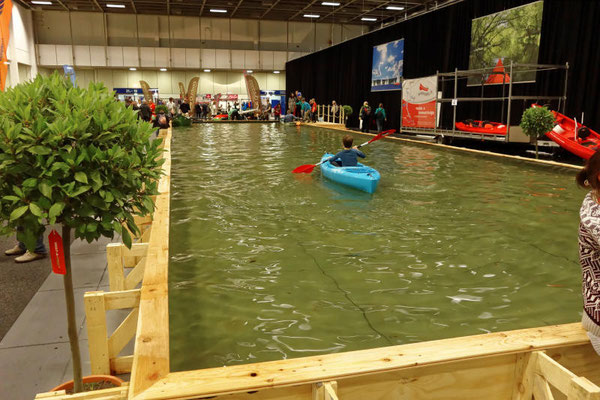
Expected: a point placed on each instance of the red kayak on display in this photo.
(575, 138)
(486, 127)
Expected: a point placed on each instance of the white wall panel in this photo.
(131, 57)
(273, 35)
(176, 77)
(220, 82)
(164, 83)
(161, 57)
(121, 29)
(151, 77)
(244, 34)
(261, 78)
(178, 58)
(52, 27)
(301, 36)
(120, 78)
(82, 56)
(223, 59)
(88, 28)
(237, 59)
(147, 57)
(252, 60)
(64, 55)
(279, 60)
(266, 59)
(148, 30)
(209, 58)
(106, 76)
(115, 56)
(192, 58)
(133, 79)
(47, 54)
(98, 56)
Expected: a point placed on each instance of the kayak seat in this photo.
(589, 143)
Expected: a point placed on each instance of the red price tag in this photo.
(57, 255)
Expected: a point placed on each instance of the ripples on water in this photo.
(266, 264)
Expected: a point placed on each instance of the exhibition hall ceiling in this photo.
(339, 11)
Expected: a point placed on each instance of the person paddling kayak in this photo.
(348, 156)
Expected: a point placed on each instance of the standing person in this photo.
(292, 103)
(145, 111)
(335, 110)
(197, 110)
(380, 117)
(365, 116)
(589, 248)
(313, 110)
(277, 112)
(25, 255)
(171, 107)
(213, 109)
(185, 108)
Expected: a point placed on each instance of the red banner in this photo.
(418, 102)
(5, 15)
(57, 254)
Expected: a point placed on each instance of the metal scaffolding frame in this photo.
(506, 100)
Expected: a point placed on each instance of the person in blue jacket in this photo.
(348, 156)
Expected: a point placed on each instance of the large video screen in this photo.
(509, 35)
(388, 60)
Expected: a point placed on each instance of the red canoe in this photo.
(485, 127)
(584, 143)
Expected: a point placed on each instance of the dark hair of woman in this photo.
(588, 176)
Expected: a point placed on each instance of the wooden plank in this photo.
(137, 250)
(557, 375)
(541, 389)
(114, 258)
(151, 358)
(324, 391)
(116, 393)
(523, 381)
(121, 365)
(123, 334)
(582, 389)
(95, 314)
(242, 378)
(135, 276)
(581, 360)
(50, 394)
(122, 299)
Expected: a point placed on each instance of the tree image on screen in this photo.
(510, 35)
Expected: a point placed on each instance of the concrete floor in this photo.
(35, 353)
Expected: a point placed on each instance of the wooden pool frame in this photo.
(549, 362)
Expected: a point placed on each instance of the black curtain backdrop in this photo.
(440, 41)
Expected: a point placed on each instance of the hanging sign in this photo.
(418, 102)
(57, 255)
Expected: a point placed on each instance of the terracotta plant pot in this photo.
(90, 379)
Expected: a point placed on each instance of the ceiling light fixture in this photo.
(218, 10)
(163, 69)
(368, 19)
(42, 3)
(115, 5)
(311, 16)
(275, 72)
(133, 69)
(330, 3)
(396, 8)
(207, 70)
(249, 71)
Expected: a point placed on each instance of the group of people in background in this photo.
(301, 109)
(366, 116)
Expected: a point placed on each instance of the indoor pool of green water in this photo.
(267, 265)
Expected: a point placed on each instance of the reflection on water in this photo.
(266, 264)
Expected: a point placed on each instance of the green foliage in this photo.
(536, 121)
(180, 120)
(347, 110)
(161, 108)
(73, 156)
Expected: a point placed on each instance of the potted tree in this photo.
(77, 158)
(347, 113)
(535, 122)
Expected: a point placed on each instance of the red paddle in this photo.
(308, 168)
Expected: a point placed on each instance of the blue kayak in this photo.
(360, 177)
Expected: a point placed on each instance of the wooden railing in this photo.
(104, 350)
(118, 258)
(326, 113)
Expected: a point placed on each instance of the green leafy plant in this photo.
(77, 158)
(180, 120)
(347, 110)
(161, 109)
(535, 122)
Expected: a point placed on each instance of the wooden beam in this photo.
(370, 11)
(202, 7)
(582, 389)
(272, 6)
(133, 6)
(236, 8)
(301, 11)
(324, 391)
(98, 5)
(523, 378)
(541, 389)
(308, 370)
(63, 5)
(557, 375)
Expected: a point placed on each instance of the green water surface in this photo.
(267, 265)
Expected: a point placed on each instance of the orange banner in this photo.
(5, 14)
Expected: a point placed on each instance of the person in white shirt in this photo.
(171, 107)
